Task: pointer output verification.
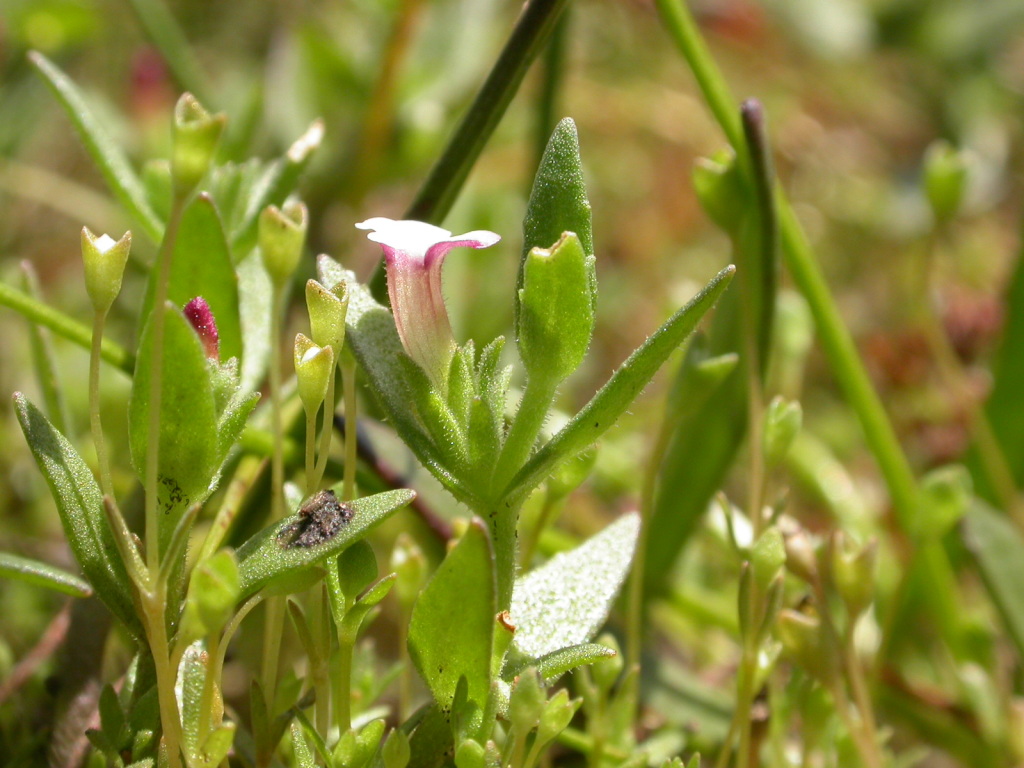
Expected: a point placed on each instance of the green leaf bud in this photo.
(557, 715)
(282, 234)
(782, 422)
(470, 754)
(104, 260)
(853, 571)
(946, 493)
(410, 565)
(720, 190)
(327, 310)
(801, 639)
(768, 556)
(606, 671)
(556, 309)
(313, 368)
(945, 179)
(527, 701)
(195, 139)
(357, 568)
(396, 753)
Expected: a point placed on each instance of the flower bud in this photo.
(768, 556)
(104, 267)
(396, 753)
(853, 572)
(196, 135)
(720, 191)
(557, 715)
(313, 368)
(327, 310)
(282, 234)
(945, 179)
(200, 317)
(470, 754)
(527, 701)
(801, 639)
(556, 309)
(410, 565)
(782, 422)
(606, 671)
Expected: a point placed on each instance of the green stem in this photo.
(522, 436)
(273, 626)
(326, 433)
(94, 404)
(351, 430)
(311, 451)
(64, 326)
(159, 317)
(242, 480)
(342, 678)
(277, 460)
(156, 631)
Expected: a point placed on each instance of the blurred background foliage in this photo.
(855, 91)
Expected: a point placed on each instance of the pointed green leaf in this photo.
(43, 575)
(303, 754)
(188, 454)
(80, 504)
(565, 601)
(266, 557)
(255, 294)
(615, 397)
(191, 678)
(452, 625)
(998, 549)
(555, 664)
(105, 151)
(201, 266)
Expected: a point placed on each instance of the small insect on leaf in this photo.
(320, 519)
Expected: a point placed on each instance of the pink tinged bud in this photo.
(200, 316)
(414, 252)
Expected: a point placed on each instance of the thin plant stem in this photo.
(326, 433)
(955, 376)
(274, 614)
(65, 326)
(342, 678)
(858, 681)
(522, 435)
(351, 432)
(102, 458)
(311, 451)
(241, 481)
(163, 266)
(156, 631)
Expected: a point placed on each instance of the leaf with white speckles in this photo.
(565, 601)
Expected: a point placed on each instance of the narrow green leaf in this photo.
(188, 454)
(63, 325)
(201, 266)
(564, 602)
(80, 504)
(191, 677)
(105, 151)
(452, 625)
(255, 294)
(555, 664)
(43, 359)
(998, 549)
(43, 575)
(621, 389)
(266, 558)
(303, 754)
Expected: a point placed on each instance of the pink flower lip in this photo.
(414, 252)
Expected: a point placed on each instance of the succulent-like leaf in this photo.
(565, 601)
(80, 504)
(188, 454)
(269, 557)
(452, 625)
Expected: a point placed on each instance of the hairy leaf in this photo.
(43, 575)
